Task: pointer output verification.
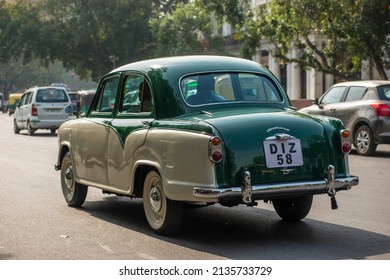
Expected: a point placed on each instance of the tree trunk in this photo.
(377, 60)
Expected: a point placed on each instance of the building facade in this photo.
(301, 86)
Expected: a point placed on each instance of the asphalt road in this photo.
(36, 223)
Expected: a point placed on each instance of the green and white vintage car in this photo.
(201, 129)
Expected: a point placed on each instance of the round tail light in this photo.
(215, 149)
(345, 141)
(346, 148)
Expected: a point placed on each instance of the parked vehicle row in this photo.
(204, 129)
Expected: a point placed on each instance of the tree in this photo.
(89, 35)
(19, 28)
(86, 35)
(16, 75)
(184, 31)
(346, 32)
(230, 11)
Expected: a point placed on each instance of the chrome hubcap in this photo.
(155, 199)
(69, 178)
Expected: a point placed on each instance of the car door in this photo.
(18, 111)
(348, 110)
(129, 129)
(24, 110)
(330, 101)
(93, 134)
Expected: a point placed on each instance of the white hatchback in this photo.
(42, 108)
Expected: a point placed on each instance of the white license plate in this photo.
(283, 153)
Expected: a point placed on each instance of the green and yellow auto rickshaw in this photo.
(13, 101)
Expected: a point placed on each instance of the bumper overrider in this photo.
(248, 193)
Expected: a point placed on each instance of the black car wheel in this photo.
(16, 128)
(74, 193)
(293, 209)
(30, 130)
(163, 215)
(364, 141)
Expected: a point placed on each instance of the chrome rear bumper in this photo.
(250, 192)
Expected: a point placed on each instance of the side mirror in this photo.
(315, 101)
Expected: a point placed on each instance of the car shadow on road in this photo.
(39, 134)
(246, 233)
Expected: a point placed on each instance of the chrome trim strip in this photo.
(267, 189)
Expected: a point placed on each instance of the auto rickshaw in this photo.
(13, 100)
(85, 98)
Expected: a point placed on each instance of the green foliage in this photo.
(346, 32)
(86, 33)
(20, 25)
(92, 36)
(187, 30)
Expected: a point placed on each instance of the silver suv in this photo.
(364, 108)
(42, 108)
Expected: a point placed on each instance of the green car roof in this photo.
(164, 75)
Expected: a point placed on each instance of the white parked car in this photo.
(42, 108)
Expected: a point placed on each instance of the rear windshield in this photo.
(229, 87)
(52, 95)
(384, 92)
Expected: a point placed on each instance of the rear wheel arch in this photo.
(139, 178)
(357, 126)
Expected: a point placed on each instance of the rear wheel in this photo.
(163, 215)
(30, 130)
(364, 141)
(74, 193)
(16, 128)
(293, 209)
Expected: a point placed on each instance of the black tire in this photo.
(30, 130)
(53, 130)
(163, 215)
(74, 193)
(16, 128)
(293, 209)
(364, 141)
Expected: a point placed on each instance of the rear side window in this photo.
(26, 98)
(384, 92)
(51, 96)
(355, 93)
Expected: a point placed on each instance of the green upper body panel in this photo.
(165, 75)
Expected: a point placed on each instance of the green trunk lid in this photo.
(243, 133)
